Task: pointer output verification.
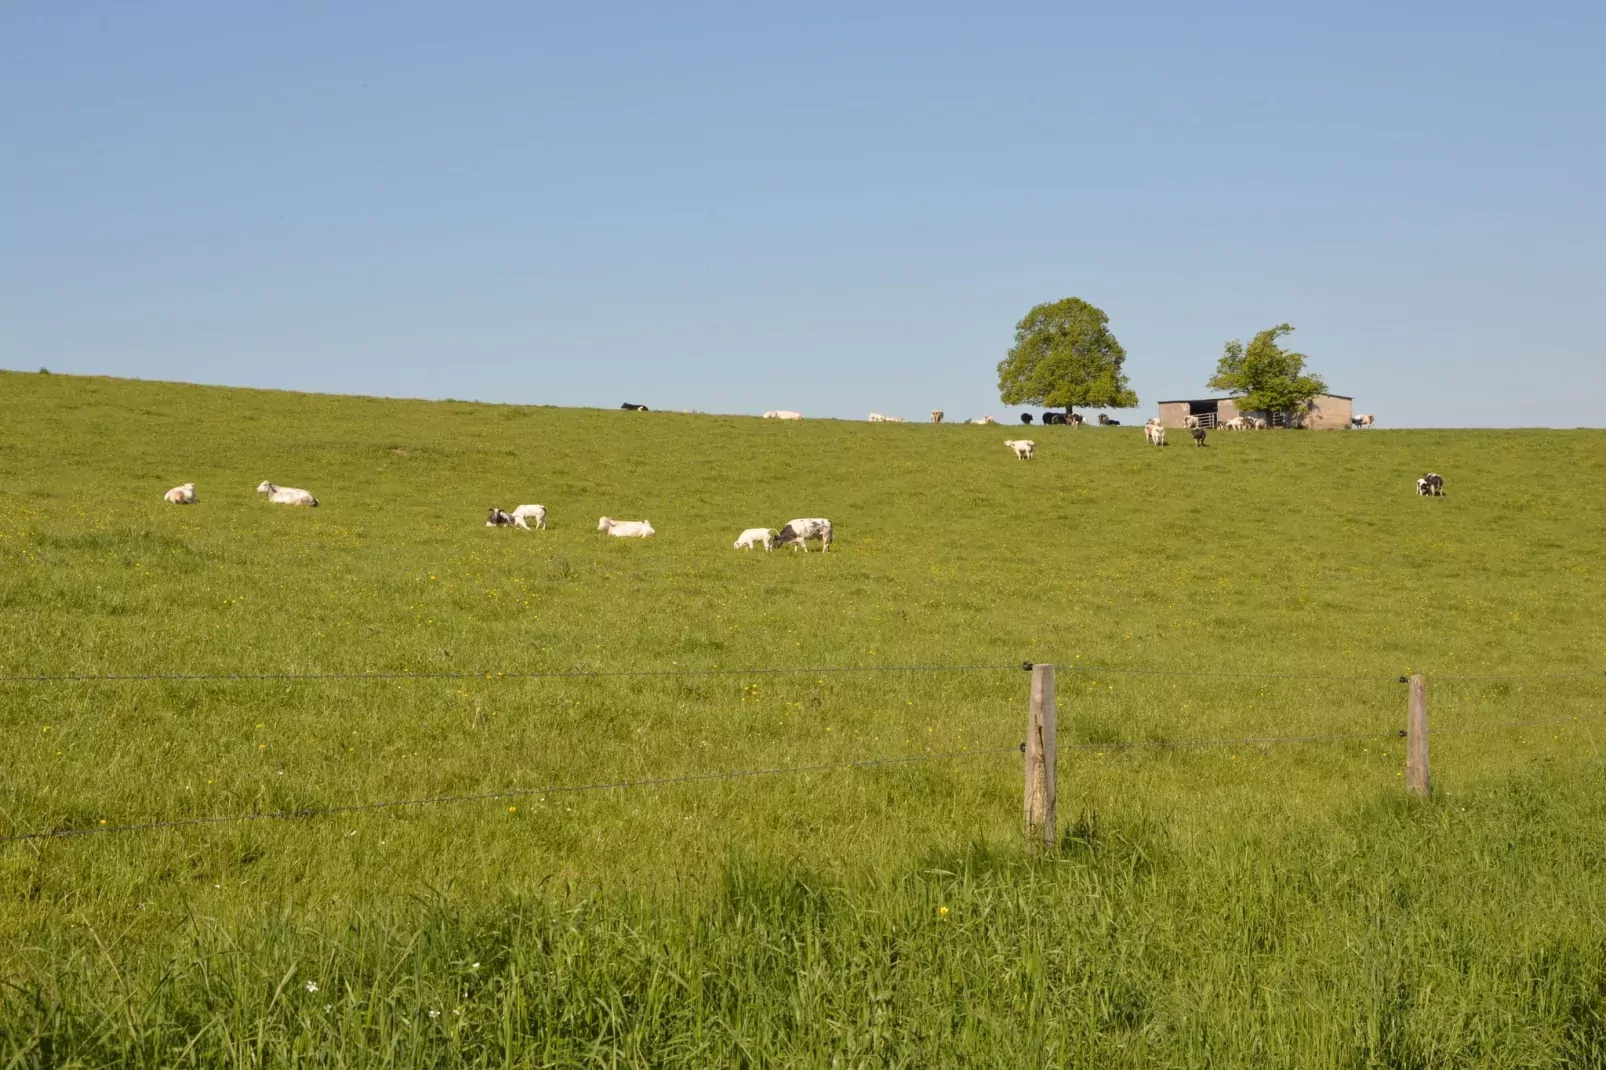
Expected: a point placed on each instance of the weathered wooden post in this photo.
(1040, 759)
(1416, 738)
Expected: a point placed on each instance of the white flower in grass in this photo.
(434, 1014)
(312, 986)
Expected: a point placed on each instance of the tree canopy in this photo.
(1264, 376)
(1064, 355)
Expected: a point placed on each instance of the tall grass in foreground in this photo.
(1466, 931)
(1249, 904)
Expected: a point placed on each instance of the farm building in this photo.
(1326, 412)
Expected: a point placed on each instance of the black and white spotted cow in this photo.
(1431, 485)
(796, 533)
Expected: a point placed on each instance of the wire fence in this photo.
(727, 775)
(1380, 676)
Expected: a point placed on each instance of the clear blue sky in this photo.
(836, 208)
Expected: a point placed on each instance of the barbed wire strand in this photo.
(510, 793)
(822, 670)
(552, 675)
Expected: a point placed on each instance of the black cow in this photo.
(1105, 421)
(633, 408)
(1025, 417)
(1053, 418)
(497, 518)
(1198, 436)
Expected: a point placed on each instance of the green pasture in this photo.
(1255, 904)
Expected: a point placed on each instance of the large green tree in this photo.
(1064, 355)
(1264, 376)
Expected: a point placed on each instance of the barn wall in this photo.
(1328, 413)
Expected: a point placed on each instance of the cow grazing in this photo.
(796, 533)
(525, 513)
(498, 518)
(1025, 417)
(1198, 436)
(1154, 432)
(182, 495)
(764, 537)
(937, 415)
(1365, 419)
(1024, 448)
(1075, 419)
(286, 495)
(1431, 485)
(783, 414)
(627, 529)
(631, 407)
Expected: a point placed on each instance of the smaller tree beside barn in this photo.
(1265, 377)
(1064, 355)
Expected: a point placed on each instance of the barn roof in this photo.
(1194, 401)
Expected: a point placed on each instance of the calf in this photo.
(1198, 436)
(1024, 448)
(937, 415)
(286, 495)
(182, 495)
(755, 537)
(1190, 421)
(627, 529)
(497, 518)
(525, 513)
(1237, 423)
(1154, 431)
(1431, 485)
(796, 533)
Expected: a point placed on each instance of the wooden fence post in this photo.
(1040, 759)
(1416, 738)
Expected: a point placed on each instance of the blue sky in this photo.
(832, 208)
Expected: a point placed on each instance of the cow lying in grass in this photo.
(286, 495)
(626, 529)
(181, 495)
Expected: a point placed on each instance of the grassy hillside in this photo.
(1273, 904)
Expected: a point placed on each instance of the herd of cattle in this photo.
(797, 533)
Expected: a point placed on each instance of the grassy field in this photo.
(1255, 905)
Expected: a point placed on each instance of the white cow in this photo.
(1154, 431)
(982, 420)
(286, 495)
(783, 414)
(184, 495)
(764, 537)
(525, 513)
(1237, 423)
(1024, 448)
(1258, 423)
(1190, 421)
(627, 529)
(798, 532)
(937, 415)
